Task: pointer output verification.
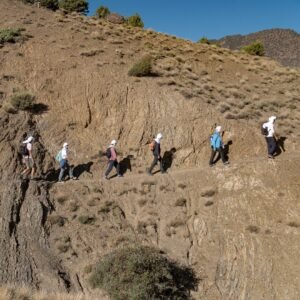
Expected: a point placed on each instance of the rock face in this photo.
(115, 18)
(282, 45)
(237, 226)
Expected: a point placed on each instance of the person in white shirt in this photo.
(64, 164)
(270, 137)
(27, 157)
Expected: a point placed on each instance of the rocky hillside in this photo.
(236, 226)
(282, 45)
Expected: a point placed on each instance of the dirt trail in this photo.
(237, 226)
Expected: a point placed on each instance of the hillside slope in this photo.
(282, 45)
(238, 227)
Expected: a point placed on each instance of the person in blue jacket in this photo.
(217, 146)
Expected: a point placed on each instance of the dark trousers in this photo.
(154, 163)
(220, 151)
(111, 164)
(271, 143)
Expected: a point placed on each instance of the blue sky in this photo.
(193, 19)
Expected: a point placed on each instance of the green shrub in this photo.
(256, 48)
(142, 273)
(135, 21)
(50, 4)
(142, 68)
(204, 40)
(102, 12)
(80, 6)
(9, 35)
(22, 101)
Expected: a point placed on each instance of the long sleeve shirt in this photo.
(270, 127)
(64, 153)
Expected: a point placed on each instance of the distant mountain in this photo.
(282, 45)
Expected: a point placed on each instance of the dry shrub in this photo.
(9, 35)
(181, 185)
(142, 273)
(141, 227)
(142, 68)
(22, 101)
(56, 220)
(223, 107)
(177, 222)
(180, 202)
(294, 224)
(91, 53)
(85, 219)
(73, 206)
(208, 193)
(253, 229)
(216, 57)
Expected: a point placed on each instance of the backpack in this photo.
(152, 145)
(23, 150)
(264, 131)
(58, 156)
(108, 153)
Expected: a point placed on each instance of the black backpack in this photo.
(23, 150)
(108, 153)
(264, 130)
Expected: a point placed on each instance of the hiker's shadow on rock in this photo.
(52, 175)
(280, 145)
(227, 149)
(125, 164)
(79, 169)
(168, 158)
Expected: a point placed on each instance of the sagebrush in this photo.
(142, 272)
(142, 68)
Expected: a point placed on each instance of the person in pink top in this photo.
(111, 154)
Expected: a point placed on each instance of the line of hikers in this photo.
(216, 143)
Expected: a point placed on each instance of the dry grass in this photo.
(294, 224)
(24, 293)
(208, 193)
(180, 202)
(253, 229)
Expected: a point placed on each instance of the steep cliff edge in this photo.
(237, 226)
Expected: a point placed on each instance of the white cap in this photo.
(159, 136)
(65, 145)
(113, 142)
(272, 119)
(218, 129)
(29, 140)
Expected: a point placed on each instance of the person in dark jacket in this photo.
(156, 155)
(112, 160)
(217, 146)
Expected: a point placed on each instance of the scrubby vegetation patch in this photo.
(142, 273)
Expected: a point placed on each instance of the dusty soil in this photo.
(237, 226)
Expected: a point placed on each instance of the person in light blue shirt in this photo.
(217, 146)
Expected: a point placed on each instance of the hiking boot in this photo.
(226, 163)
(120, 175)
(60, 181)
(270, 156)
(74, 178)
